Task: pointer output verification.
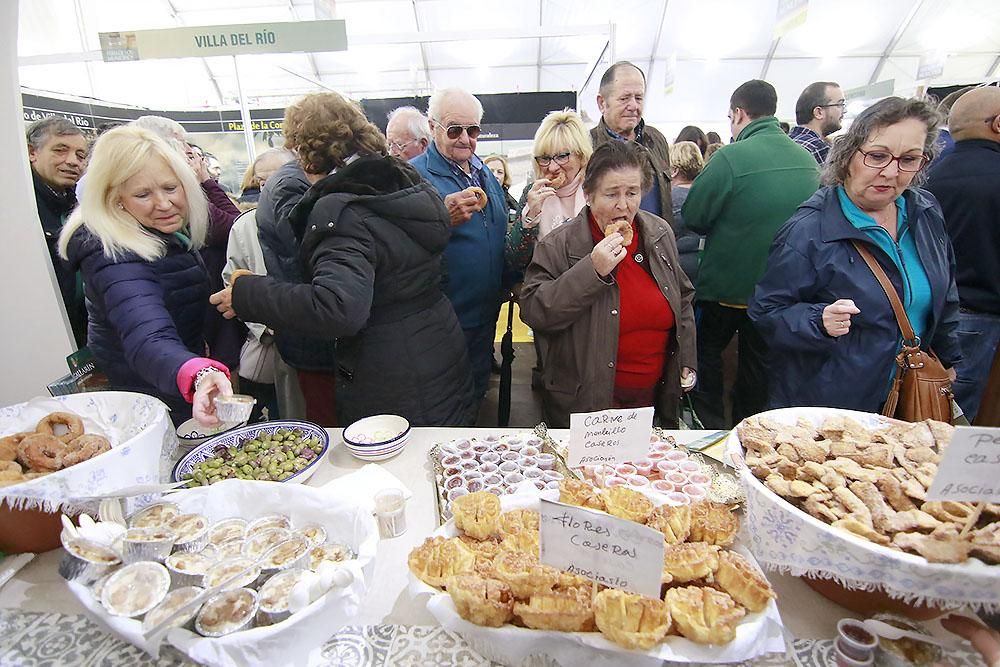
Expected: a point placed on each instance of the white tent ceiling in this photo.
(710, 45)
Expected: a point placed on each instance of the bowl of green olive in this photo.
(277, 451)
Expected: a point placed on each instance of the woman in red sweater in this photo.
(609, 298)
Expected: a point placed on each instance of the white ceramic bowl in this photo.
(372, 453)
(378, 431)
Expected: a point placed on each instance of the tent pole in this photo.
(245, 114)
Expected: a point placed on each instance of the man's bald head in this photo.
(975, 115)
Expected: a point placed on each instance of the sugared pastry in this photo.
(713, 522)
(704, 615)
(673, 521)
(631, 620)
(624, 228)
(626, 503)
(477, 514)
(743, 582)
(517, 521)
(567, 610)
(581, 494)
(689, 561)
(439, 558)
(524, 574)
(481, 199)
(480, 600)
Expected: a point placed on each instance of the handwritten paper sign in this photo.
(611, 551)
(970, 467)
(609, 436)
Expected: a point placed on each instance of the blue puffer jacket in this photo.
(282, 191)
(146, 318)
(812, 264)
(474, 258)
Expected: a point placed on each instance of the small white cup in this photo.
(390, 513)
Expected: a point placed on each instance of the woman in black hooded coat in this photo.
(372, 236)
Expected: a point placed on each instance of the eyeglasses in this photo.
(882, 159)
(545, 160)
(455, 131)
(400, 147)
(842, 104)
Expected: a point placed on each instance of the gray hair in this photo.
(882, 114)
(40, 131)
(167, 128)
(438, 101)
(416, 122)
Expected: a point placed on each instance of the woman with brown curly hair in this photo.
(371, 234)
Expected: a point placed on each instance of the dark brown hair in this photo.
(615, 155)
(324, 129)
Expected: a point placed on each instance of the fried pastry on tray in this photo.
(936, 547)
(626, 503)
(580, 493)
(525, 542)
(439, 558)
(674, 521)
(567, 610)
(713, 522)
(516, 521)
(689, 561)
(704, 615)
(743, 582)
(481, 601)
(524, 574)
(477, 514)
(631, 620)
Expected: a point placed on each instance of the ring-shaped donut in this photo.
(84, 448)
(10, 471)
(73, 424)
(9, 443)
(41, 452)
(481, 199)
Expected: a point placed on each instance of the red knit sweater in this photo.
(645, 320)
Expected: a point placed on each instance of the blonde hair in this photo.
(117, 156)
(496, 157)
(559, 132)
(686, 157)
(324, 129)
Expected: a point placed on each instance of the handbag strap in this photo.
(909, 336)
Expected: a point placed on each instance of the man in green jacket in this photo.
(739, 201)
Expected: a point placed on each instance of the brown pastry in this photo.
(744, 583)
(481, 199)
(623, 228)
(581, 494)
(481, 601)
(626, 503)
(673, 521)
(524, 542)
(704, 615)
(630, 620)
(477, 514)
(689, 561)
(558, 180)
(713, 523)
(9, 443)
(438, 558)
(524, 574)
(519, 520)
(569, 610)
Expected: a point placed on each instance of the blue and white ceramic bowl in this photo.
(208, 449)
(191, 433)
(370, 454)
(378, 431)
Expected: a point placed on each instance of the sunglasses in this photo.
(455, 131)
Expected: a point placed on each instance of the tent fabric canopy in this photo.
(694, 53)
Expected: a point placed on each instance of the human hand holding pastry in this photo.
(607, 254)
(463, 205)
(540, 190)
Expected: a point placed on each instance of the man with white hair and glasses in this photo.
(475, 259)
(408, 133)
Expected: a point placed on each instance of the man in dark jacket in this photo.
(620, 99)
(474, 258)
(966, 183)
(312, 358)
(57, 151)
(745, 193)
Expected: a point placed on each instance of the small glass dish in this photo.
(235, 408)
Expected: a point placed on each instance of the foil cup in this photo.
(227, 529)
(173, 601)
(244, 620)
(152, 516)
(153, 544)
(274, 595)
(135, 589)
(85, 562)
(294, 551)
(188, 569)
(192, 532)
(314, 533)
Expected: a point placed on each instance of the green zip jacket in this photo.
(746, 192)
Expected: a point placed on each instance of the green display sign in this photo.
(224, 40)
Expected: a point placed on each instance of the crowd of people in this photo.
(361, 273)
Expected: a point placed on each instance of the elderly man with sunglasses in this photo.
(474, 258)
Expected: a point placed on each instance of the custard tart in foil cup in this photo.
(174, 600)
(147, 544)
(188, 568)
(275, 595)
(85, 562)
(191, 530)
(135, 589)
(154, 516)
(223, 571)
(227, 612)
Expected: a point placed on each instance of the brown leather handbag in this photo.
(921, 388)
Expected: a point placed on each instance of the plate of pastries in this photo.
(867, 477)
(484, 567)
(59, 441)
